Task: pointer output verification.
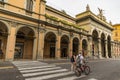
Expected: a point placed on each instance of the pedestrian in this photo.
(72, 59)
(80, 60)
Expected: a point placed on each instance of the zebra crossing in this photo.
(35, 70)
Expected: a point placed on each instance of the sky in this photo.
(111, 8)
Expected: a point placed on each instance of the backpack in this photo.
(72, 59)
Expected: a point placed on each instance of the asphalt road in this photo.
(107, 69)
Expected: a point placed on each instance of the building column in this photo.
(106, 48)
(11, 40)
(34, 48)
(57, 53)
(40, 49)
(99, 52)
(70, 47)
(90, 54)
(112, 53)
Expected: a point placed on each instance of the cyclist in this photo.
(80, 60)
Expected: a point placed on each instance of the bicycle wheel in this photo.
(77, 72)
(87, 70)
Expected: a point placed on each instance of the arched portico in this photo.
(95, 48)
(75, 46)
(64, 46)
(84, 47)
(109, 46)
(49, 45)
(3, 39)
(24, 43)
(103, 51)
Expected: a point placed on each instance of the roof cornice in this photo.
(89, 14)
(59, 12)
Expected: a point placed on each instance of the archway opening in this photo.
(109, 46)
(75, 46)
(84, 47)
(24, 43)
(3, 39)
(95, 48)
(103, 51)
(64, 46)
(49, 45)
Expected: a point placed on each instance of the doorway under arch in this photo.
(95, 48)
(109, 46)
(3, 39)
(84, 47)
(64, 46)
(103, 51)
(49, 45)
(24, 43)
(75, 46)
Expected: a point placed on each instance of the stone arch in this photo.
(103, 51)
(109, 46)
(4, 31)
(64, 46)
(49, 45)
(84, 47)
(75, 46)
(24, 43)
(32, 28)
(95, 49)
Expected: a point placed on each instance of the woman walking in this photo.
(72, 59)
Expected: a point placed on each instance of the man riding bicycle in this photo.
(79, 60)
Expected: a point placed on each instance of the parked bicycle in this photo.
(82, 69)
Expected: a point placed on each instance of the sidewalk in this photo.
(6, 65)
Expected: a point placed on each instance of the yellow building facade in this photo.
(116, 39)
(30, 29)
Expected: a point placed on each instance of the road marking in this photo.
(72, 77)
(92, 79)
(42, 69)
(50, 76)
(38, 71)
(6, 67)
(36, 67)
(41, 73)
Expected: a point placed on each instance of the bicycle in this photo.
(82, 69)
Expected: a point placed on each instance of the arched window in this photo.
(29, 5)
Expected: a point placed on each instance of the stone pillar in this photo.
(40, 44)
(112, 53)
(11, 40)
(70, 47)
(99, 52)
(106, 48)
(90, 47)
(34, 48)
(57, 53)
(80, 50)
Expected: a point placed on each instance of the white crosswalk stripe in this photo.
(35, 70)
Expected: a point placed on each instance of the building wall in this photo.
(47, 32)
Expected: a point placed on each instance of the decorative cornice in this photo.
(89, 14)
(59, 12)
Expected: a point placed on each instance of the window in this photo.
(2, 3)
(29, 7)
